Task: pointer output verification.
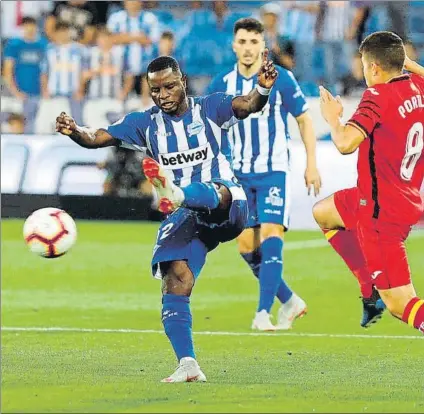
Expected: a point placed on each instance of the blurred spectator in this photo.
(106, 71)
(222, 13)
(13, 12)
(298, 21)
(353, 84)
(338, 51)
(165, 47)
(23, 57)
(397, 12)
(15, 124)
(81, 16)
(136, 30)
(281, 48)
(124, 178)
(361, 12)
(146, 99)
(62, 69)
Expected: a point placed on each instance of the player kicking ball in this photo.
(261, 164)
(367, 225)
(190, 164)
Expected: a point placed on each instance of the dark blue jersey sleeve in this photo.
(219, 108)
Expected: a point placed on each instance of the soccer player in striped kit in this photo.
(261, 164)
(189, 163)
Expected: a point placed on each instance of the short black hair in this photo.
(250, 24)
(167, 35)
(162, 63)
(386, 48)
(61, 25)
(28, 20)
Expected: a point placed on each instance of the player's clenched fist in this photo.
(65, 124)
(267, 73)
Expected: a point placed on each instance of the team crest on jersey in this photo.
(195, 128)
(274, 198)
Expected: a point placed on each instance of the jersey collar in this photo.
(402, 77)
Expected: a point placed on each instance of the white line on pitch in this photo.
(211, 333)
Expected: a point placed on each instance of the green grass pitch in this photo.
(114, 353)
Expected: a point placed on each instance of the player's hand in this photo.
(267, 73)
(331, 107)
(65, 124)
(312, 179)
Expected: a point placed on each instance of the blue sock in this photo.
(201, 196)
(270, 274)
(254, 259)
(176, 319)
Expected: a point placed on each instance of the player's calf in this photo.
(403, 303)
(177, 283)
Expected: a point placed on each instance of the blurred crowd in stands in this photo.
(83, 51)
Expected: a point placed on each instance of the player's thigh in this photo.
(383, 246)
(339, 210)
(178, 240)
(273, 201)
(249, 240)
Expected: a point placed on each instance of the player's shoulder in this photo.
(14, 42)
(376, 93)
(418, 80)
(148, 17)
(119, 15)
(284, 74)
(224, 74)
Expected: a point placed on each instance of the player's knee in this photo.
(320, 213)
(271, 230)
(178, 278)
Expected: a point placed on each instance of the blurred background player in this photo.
(62, 69)
(261, 164)
(22, 68)
(106, 72)
(367, 225)
(194, 182)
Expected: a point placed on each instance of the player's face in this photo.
(168, 90)
(248, 46)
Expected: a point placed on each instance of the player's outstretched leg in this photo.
(345, 242)
(195, 195)
(177, 284)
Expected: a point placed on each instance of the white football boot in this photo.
(262, 321)
(187, 371)
(170, 196)
(294, 308)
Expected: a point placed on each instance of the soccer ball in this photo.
(50, 232)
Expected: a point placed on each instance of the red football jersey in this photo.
(391, 159)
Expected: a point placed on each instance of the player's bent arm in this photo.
(93, 138)
(307, 133)
(346, 138)
(245, 105)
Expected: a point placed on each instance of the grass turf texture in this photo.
(105, 282)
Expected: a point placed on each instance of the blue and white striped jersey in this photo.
(145, 22)
(299, 25)
(260, 142)
(193, 147)
(110, 68)
(63, 65)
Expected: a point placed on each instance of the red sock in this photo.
(346, 244)
(414, 314)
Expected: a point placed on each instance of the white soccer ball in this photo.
(50, 232)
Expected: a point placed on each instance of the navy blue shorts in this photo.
(268, 197)
(189, 235)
